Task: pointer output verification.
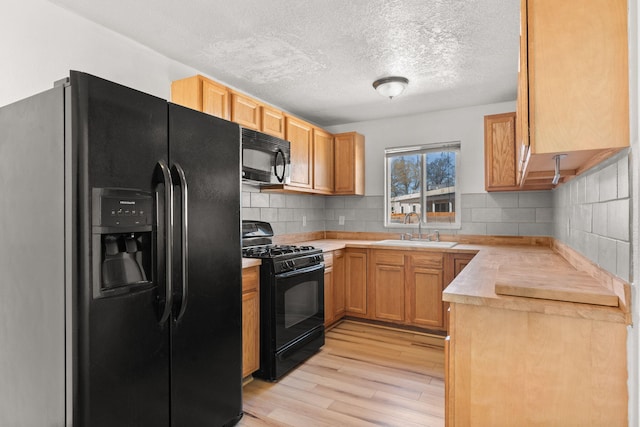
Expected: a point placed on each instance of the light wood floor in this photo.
(364, 375)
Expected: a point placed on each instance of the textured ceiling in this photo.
(318, 58)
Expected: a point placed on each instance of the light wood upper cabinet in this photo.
(272, 121)
(245, 111)
(250, 320)
(322, 161)
(500, 153)
(573, 91)
(300, 135)
(202, 94)
(349, 164)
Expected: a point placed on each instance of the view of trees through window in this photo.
(423, 182)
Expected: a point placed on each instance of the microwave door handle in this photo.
(184, 191)
(164, 177)
(279, 153)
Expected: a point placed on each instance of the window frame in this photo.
(422, 150)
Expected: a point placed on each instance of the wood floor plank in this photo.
(364, 375)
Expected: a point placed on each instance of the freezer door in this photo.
(122, 349)
(206, 338)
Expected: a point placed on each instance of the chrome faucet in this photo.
(407, 216)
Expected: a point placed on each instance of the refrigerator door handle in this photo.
(180, 177)
(165, 178)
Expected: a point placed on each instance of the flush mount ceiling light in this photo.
(390, 86)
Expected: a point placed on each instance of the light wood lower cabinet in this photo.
(508, 368)
(424, 290)
(329, 306)
(339, 283)
(355, 261)
(334, 286)
(387, 287)
(250, 320)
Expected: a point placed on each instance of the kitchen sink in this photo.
(417, 243)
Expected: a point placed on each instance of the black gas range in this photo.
(291, 300)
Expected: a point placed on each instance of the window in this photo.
(421, 183)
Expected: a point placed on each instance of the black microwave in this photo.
(265, 158)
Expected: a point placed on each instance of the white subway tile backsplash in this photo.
(535, 199)
(269, 214)
(502, 200)
(623, 177)
(623, 260)
(544, 214)
(535, 229)
(618, 220)
(502, 229)
(600, 219)
(474, 200)
(277, 200)
(608, 183)
(486, 215)
(519, 215)
(259, 200)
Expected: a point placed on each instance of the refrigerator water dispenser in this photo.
(122, 229)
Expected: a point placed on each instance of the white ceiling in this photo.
(318, 58)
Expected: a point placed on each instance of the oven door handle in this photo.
(300, 271)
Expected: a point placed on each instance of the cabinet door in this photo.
(250, 320)
(500, 156)
(522, 106)
(338, 284)
(328, 289)
(250, 333)
(215, 99)
(356, 282)
(322, 161)
(300, 135)
(272, 121)
(245, 111)
(425, 301)
(389, 292)
(388, 285)
(349, 164)
(328, 296)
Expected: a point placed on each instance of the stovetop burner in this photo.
(273, 251)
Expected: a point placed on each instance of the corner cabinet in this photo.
(349, 164)
(573, 86)
(250, 320)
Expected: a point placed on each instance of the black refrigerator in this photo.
(120, 261)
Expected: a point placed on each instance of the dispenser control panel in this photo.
(114, 207)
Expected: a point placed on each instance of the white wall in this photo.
(465, 125)
(41, 42)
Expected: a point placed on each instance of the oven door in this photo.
(299, 303)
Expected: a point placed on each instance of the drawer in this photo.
(388, 257)
(250, 279)
(428, 260)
